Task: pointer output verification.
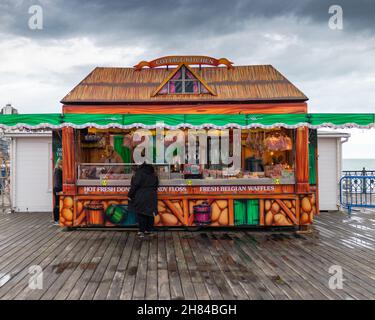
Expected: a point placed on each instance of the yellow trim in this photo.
(174, 72)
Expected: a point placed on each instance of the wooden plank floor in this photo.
(188, 265)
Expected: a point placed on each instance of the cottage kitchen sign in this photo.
(187, 60)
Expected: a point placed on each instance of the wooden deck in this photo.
(188, 265)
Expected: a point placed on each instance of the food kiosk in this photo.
(116, 115)
(276, 183)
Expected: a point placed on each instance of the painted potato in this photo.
(275, 207)
(219, 213)
(223, 204)
(284, 222)
(224, 217)
(304, 218)
(306, 205)
(269, 218)
(67, 214)
(311, 217)
(277, 217)
(267, 205)
(62, 220)
(215, 212)
(68, 202)
(168, 219)
(313, 199)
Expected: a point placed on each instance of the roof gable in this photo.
(181, 69)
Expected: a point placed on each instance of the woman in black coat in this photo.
(143, 197)
(57, 187)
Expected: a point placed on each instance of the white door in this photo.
(327, 170)
(33, 185)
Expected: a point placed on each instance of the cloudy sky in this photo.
(334, 68)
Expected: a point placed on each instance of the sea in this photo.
(358, 164)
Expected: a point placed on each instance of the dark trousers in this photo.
(145, 222)
(56, 207)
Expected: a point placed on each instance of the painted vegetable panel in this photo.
(66, 211)
(308, 209)
(171, 213)
(280, 212)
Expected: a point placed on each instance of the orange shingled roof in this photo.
(240, 83)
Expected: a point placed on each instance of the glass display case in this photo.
(90, 174)
(267, 157)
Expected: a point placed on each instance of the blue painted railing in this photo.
(357, 191)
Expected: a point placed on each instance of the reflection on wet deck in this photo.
(189, 265)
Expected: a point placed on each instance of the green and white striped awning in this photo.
(194, 121)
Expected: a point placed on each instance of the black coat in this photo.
(57, 180)
(143, 191)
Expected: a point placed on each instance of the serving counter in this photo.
(233, 202)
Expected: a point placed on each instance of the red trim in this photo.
(232, 108)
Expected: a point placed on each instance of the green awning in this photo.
(196, 121)
(30, 121)
(342, 120)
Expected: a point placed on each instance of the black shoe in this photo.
(149, 233)
(141, 235)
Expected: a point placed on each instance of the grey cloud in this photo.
(150, 20)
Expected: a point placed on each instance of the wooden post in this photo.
(317, 178)
(230, 212)
(261, 212)
(69, 174)
(185, 208)
(302, 160)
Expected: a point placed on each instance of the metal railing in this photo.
(363, 172)
(357, 190)
(5, 202)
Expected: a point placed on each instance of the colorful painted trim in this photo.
(193, 121)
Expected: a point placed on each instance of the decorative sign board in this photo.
(187, 60)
